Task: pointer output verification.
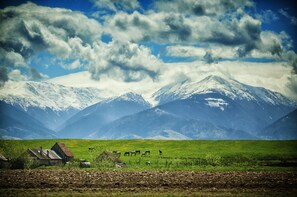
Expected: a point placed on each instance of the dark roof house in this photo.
(57, 155)
(62, 150)
(44, 157)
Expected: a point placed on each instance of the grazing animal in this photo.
(117, 153)
(133, 153)
(85, 164)
(137, 152)
(160, 152)
(148, 163)
(126, 153)
(147, 152)
(91, 148)
(143, 154)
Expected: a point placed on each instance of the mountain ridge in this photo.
(220, 104)
(99, 114)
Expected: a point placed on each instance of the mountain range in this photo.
(212, 108)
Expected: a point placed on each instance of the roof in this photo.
(37, 153)
(45, 154)
(52, 154)
(2, 158)
(65, 149)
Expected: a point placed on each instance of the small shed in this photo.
(62, 150)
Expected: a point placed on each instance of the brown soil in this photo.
(13, 182)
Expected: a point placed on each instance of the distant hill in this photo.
(16, 124)
(282, 129)
(102, 113)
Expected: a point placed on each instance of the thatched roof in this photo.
(109, 159)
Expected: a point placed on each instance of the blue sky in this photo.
(134, 41)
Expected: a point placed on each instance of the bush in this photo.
(22, 162)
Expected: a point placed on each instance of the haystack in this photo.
(109, 159)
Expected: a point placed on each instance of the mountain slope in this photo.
(213, 108)
(223, 86)
(282, 129)
(15, 123)
(156, 123)
(226, 103)
(97, 115)
(49, 103)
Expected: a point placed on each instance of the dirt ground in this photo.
(145, 183)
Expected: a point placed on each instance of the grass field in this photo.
(177, 155)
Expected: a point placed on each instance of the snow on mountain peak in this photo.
(47, 95)
(222, 85)
(130, 97)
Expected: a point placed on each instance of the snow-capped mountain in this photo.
(49, 103)
(223, 86)
(100, 114)
(16, 124)
(226, 103)
(213, 108)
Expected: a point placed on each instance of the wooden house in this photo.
(45, 157)
(62, 150)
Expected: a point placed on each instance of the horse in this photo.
(117, 153)
(147, 152)
(91, 148)
(143, 154)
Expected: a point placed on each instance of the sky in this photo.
(126, 45)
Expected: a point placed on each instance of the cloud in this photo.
(29, 31)
(201, 7)
(35, 75)
(243, 31)
(115, 5)
(209, 58)
(3, 75)
(268, 16)
(124, 61)
(285, 13)
(293, 20)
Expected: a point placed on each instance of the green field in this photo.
(177, 155)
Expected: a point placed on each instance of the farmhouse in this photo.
(57, 155)
(62, 150)
(44, 157)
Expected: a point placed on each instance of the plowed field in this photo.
(145, 183)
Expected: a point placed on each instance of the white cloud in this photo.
(28, 30)
(285, 13)
(201, 7)
(268, 16)
(217, 51)
(207, 29)
(115, 5)
(125, 60)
